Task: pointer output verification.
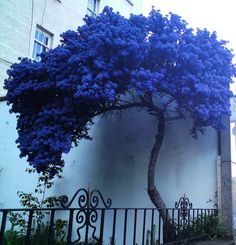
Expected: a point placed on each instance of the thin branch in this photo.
(149, 107)
(3, 98)
(118, 108)
(169, 102)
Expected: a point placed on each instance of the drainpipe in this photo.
(224, 177)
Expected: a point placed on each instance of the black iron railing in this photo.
(90, 219)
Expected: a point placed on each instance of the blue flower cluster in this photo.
(106, 59)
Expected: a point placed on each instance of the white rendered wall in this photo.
(18, 20)
(116, 160)
(13, 177)
(123, 6)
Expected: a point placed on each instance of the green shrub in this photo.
(206, 226)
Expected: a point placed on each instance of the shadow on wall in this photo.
(116, 161)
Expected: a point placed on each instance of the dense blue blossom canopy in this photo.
(112, 62)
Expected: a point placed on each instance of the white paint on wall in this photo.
(116, 160)
(18, 20)
(13, 177)
(123, 6)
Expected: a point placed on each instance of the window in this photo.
(42, 42)
(92, 8)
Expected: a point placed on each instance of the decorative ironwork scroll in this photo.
(183, 205)
(87, 215)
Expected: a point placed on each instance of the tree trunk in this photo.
(168, 229)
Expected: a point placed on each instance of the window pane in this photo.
(41, 37)
(44, 49)
(34, 51)
(42, 43)
(38, 50)
(36, 35)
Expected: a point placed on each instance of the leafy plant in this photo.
(209, 226)
(151, 237)
(36, 200)
(39, 237)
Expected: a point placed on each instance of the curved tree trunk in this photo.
(168, 229)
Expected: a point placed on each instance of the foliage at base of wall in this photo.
(209, 227)
(39, 236)
(36, 199)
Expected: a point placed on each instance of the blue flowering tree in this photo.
(111, 63)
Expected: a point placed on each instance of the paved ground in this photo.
(215, 242)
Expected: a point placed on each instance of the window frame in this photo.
(91, 12)
(43, 46)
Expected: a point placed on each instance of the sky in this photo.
(215, 15)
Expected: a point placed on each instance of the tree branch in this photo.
(155, 196)
(3, 98)
(149, 107)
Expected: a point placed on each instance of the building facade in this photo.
(28, 27)
(116, 160)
